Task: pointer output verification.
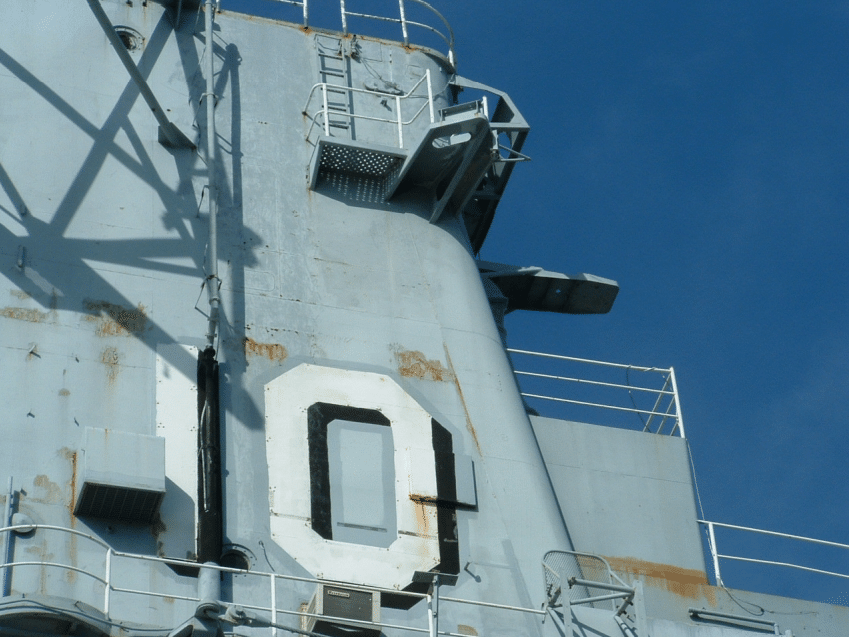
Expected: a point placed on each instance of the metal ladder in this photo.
(333, 70)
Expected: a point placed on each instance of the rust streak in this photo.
(413, 364)
(271, 351)
(469, 424)
(689, 583)
(116, 320)
(72, 500)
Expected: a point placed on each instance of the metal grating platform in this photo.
(357, 160)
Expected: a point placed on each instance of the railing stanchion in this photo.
(404, 23)
(344, 17)
(306, 13)
(429, 96)
(677, 402)
(273, 605)
(326, 111)
(714, 553)
(400, 120)
(108, 586)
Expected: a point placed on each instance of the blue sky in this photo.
(697, 153)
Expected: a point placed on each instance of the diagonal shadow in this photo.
(71, 254)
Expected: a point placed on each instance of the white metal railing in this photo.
(716, 555)
(658, 407)
(269, 614)
(401, 20)
(325, 112)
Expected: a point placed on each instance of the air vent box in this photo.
(338, 606)
(121, 476)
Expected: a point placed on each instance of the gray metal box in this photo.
(340, 604)
(122, 476)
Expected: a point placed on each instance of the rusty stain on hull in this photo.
(111, 358)
(413, 364)
(271, 351)
(23, 314)
(71, 456)
(689, 583)
(116, 320)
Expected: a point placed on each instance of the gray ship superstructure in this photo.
(256, 381)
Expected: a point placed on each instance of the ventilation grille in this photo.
(344, 607)
(118, 503)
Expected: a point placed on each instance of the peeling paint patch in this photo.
(20, 294)
(23, 314)
(271, 351)
(111, 358)
(116, 320)
(463, 629)
(413, 364)
(689, 583)
(52, 493)
(64, 392)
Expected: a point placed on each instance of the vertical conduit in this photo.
(212, 281)
(210, 518)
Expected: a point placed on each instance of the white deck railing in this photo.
(717, 556)
(263, 615)
(585, 383)
(323, 113)
(402, 20)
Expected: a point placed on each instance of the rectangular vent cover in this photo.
(121, 476)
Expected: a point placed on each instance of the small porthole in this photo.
(130, 38)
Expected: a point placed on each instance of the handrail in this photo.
(401, 20)
(666, 407)
(273, 610)
(716, 555)
(325, 111)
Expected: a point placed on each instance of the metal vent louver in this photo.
(340, 606)
(118, 503)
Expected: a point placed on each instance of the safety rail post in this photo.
(325, 109)
(273, 605)
(306, 4)
(714, 553)
(429, 95)
(108, 584)
(400, 122)
(344, 17)
(677, 403)
(404, 23)
(7, 539)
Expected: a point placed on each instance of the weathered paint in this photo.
(688, 583)
(414, 364)
(272, 351)
(116, 320)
